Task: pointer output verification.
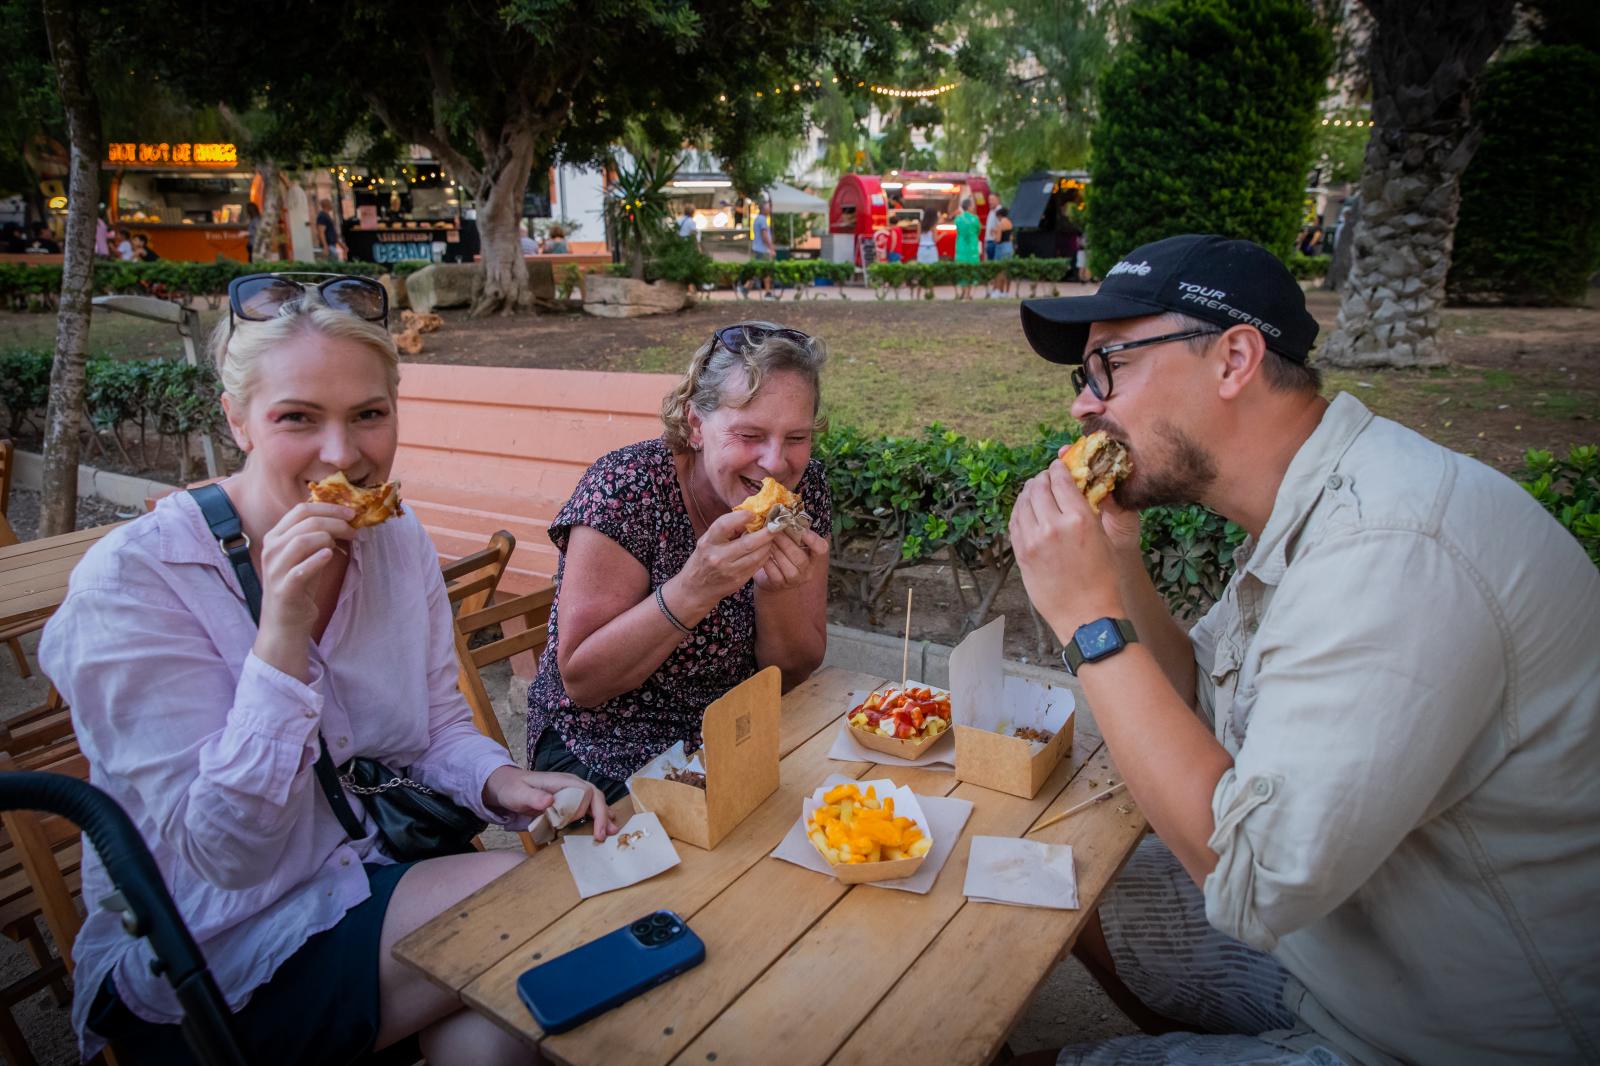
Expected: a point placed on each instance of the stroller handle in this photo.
(148, 907)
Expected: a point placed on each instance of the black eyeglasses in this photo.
(1096, 369)
(749, 334)
(260, 297)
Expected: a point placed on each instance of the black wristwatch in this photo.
(1097, 640)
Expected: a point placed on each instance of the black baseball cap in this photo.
(1214, 279)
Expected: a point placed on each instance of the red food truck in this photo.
(889, 209)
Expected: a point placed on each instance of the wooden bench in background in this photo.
(490, 448)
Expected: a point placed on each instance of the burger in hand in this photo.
(1097, 465)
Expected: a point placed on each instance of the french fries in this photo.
(850, 828)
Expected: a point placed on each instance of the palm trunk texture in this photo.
(1425, 57)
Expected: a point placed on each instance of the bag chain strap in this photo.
(348, 781)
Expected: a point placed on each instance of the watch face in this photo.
(1098, 639)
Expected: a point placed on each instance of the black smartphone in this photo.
(610, 970)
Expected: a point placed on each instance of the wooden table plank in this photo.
(812, 998)
(816, 703)
(981, 992)
(745, 928)
(455, 947)
(28, 573)
(45, 544)
(699, 876)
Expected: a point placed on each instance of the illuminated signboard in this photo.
(130, 153)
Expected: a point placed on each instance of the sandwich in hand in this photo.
(372, 506)
(775, 507)
(1097, 464)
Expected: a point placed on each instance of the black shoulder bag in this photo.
(414, 822)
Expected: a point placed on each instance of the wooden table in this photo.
(799, 968)
(33, 574)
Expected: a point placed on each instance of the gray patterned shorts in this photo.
(1169, 956)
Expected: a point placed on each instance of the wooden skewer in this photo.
(1090, 802)
(905, 653)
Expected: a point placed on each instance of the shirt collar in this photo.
(1267, 557)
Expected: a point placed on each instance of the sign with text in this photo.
(163, 154)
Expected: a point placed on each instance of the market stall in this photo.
(187, 198)
(1048, 212)
(889, 210)
(413, 212)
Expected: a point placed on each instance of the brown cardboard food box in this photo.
(905, 803)
(988, 707)
(739, 759)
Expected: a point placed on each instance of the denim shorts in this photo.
(321, 1006)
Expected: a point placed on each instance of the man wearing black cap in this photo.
(1362, 762)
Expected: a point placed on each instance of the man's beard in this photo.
(1178, 471)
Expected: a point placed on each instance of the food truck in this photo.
(187, 198)
(1048, 212)
(409, 212)
(889, 210)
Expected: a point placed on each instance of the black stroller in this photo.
(142, 897)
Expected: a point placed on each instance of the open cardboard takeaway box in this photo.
(739, 760)
(988, 708)
(875, 741)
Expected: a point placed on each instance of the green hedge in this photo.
(1570, 490)
(1529, 229)
(889, 278)
(127, 402)
(945, 498)
(1307, 267)
(1206, 119)
(790, 273)
(37, 286)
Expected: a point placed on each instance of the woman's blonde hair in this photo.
(239, 345)
(706, 385)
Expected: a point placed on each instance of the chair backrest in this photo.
(472, 579)
(46, 849)
(524, 623)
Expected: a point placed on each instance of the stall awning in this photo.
(788, 200)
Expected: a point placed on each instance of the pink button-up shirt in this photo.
(210, 750)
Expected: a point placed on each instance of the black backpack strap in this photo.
(229, 530)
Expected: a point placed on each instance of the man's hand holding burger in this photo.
(1068, 562)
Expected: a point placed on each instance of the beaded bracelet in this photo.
(662, 603)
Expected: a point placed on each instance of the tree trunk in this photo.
(505, 274)
(266, 246)
(69, 52)
(1426, 56)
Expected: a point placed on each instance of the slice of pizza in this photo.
(372, 506)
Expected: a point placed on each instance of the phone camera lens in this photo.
(640, 929)
(660, 920)
(659, 936)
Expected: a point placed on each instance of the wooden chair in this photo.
(8, 536)
(527, 617)
(472, 579)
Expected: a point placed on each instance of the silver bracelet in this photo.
(661, 602)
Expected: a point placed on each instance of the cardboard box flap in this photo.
(977, 677)
(1040, 706)
(740, 731)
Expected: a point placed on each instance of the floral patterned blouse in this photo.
(633, 497)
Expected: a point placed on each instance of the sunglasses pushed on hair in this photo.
(737, 339)
(262, 297)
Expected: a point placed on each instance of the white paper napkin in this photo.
(640, 851)
(558, 815)
(940, 755)
(1026, 873)
(946, 817)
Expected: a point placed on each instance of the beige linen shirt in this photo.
(1406, 671)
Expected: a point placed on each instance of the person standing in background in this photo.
(686, 227)
(967, 247)
(991, 228)
(762, 246)
(102, 235)
(329, 245)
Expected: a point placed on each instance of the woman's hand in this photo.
(518, 791)
(724, 559)
(294, 553)
(791, 565)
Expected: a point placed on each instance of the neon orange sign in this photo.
(162, 154)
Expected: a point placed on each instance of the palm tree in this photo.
(1425, 58)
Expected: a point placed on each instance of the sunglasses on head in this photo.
(749, 334)
(261, 297)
